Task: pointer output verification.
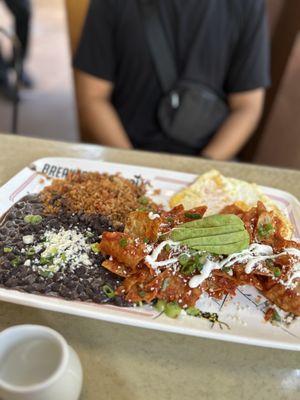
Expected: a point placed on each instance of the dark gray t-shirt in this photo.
(230, 54)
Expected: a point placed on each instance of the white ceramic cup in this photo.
(36, 363)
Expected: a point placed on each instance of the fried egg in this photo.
(217, 191)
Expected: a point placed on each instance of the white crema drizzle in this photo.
(251, 256)
(151, 259)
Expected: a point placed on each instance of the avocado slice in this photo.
(226, 249)
(179, 233)
(214, 221)
(226, 238)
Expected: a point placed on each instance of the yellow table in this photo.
(126, 363)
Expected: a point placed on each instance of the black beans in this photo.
(84, 283)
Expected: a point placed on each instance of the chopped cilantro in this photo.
(183, 259)
(167, 247)
(146, 240)
(123, 242)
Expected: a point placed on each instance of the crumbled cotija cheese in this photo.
(69, 244)
(66, 248)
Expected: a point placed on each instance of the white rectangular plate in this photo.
(243, 313)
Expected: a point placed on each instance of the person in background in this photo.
(118, 90)
(21, 11)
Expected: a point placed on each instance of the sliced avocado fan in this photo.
(217, 234)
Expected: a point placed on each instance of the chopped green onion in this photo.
(193, 311)
(143, 209)
(188, 268)
(265, 231)
(142, 293)
(45, 273)
(52, 251)
(276, 317)
(192, 215)
(277, 272)
(33, 219)
(45, 260)
(270, 264)
(7, 249)
(63, 257)
(108, 290)
(160, 305)
(183, 259)
(95, 248)
(15, 262)
(123, 242)
(143, 200)
(146, 240)
(172, 310)
(30, 251)
(170, 219)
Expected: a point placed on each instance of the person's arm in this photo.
(245, 112)
(98, 118)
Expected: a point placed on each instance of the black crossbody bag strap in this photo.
(159, 47)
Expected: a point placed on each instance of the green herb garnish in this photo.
(183, 259)
(265, 230)
(123, 242)
(7, 249)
